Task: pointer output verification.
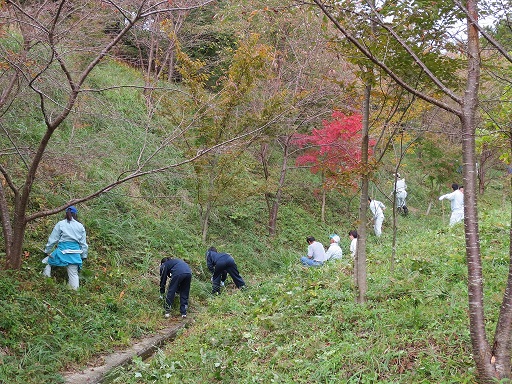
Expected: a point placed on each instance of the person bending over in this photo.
(181, 277)
(377, 209)
(219, 264)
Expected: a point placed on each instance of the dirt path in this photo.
(145, 348)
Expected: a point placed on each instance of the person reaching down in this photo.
(219, 264)
(180, 278)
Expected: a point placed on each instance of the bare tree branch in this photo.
(139, 173)
(383, 66)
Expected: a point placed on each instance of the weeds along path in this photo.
(143, 349)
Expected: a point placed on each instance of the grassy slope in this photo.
(302, 325)
(292, 325)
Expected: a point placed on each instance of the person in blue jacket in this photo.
(181, 277)
(70, 240)
(219, 264)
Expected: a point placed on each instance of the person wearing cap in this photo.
(353, 242)
(316, 253)
(401, 194)
(334, 251)
(180, 278)
(377, 209)
(219, 264)
(457, 204)
(70, 242)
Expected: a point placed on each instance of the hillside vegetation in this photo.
(302, 325)
(293, 324)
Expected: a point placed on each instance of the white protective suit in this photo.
(457, 205)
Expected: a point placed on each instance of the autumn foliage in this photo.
(334, 149)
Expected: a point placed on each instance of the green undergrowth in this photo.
(47, 329)
(302, 325)
(293, 324)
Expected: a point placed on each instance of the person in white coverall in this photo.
(457, 204)
(377, 209)
(401, 194)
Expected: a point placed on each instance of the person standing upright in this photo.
(70, 239)
(377, 209)
(181, 277)
(401, 194)
(457, 204)
(353, 242)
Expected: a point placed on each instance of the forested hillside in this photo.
(249, 126)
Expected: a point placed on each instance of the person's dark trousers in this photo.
(226, 264)
(179, 283)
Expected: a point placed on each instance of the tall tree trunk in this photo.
(5, 220)
(272, 222)
(270, 198)
(395, 216)
(274, 200)
(205, 220)
(14, 232)
(481, 349)
(502, 338)
(395, 229)
(360, 261)
(272, 228)
(324, 194)
(485, 157)
(484, 360)
(207, 210)
(14, 255)
(14, 244)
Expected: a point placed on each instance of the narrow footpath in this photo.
(143, 349)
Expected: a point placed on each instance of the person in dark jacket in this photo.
(219, 264)
(181, 277)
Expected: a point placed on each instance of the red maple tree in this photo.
(334, 149)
